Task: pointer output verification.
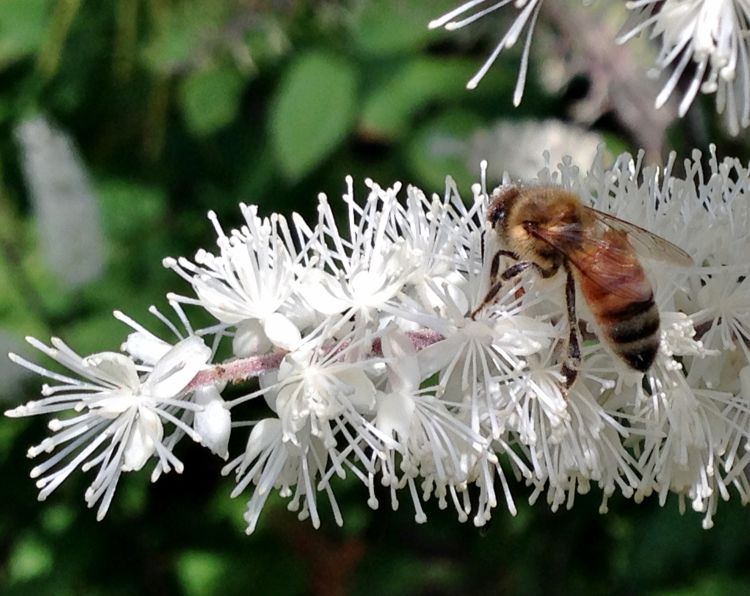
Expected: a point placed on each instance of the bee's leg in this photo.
(496, 282)
(511, 272)
(573, 362)
(507, 253)
(495, 266)
(499, 253)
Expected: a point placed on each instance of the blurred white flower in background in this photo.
(522, 158)
(66, 207)
(704, 46)
(398, 380)
(705, 43)
(469, 12)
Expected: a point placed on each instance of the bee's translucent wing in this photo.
(644, 242)
(605, 256)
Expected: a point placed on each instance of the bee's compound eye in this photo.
(497, 216)
(503, 199)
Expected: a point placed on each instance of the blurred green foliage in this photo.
(179, 107)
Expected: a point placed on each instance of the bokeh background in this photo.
(123, 122)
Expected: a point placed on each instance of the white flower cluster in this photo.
(370, 365)
(704, 42)
(528, 12)
(117, 410)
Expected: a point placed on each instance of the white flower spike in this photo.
(117, 416)
(377, 358)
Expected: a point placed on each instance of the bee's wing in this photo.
(644, 242)
(603, 255)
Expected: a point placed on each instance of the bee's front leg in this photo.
(573, 362)
(497, 279)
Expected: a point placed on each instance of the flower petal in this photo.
(177, 368)
(395, 412)
(147, 431)
(114, 368)
(323, 292)
(250, 339)
(214, 422)
(281, 331)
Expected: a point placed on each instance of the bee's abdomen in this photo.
(633, 331)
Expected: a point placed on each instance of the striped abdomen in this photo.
(628, 320)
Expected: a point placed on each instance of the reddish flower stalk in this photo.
(243, 369)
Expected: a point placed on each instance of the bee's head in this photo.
(501, 203)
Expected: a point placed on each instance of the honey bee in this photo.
(546, 228)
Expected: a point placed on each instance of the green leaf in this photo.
(180, 29)
(18, 318)
(23, 25)
(312, 112)
(439, 149)
(29, 559)
(267, 42)
(128, 207)
(392, 104)
(210, 98)
(391, 26)
(56, 519)
(201, 572)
